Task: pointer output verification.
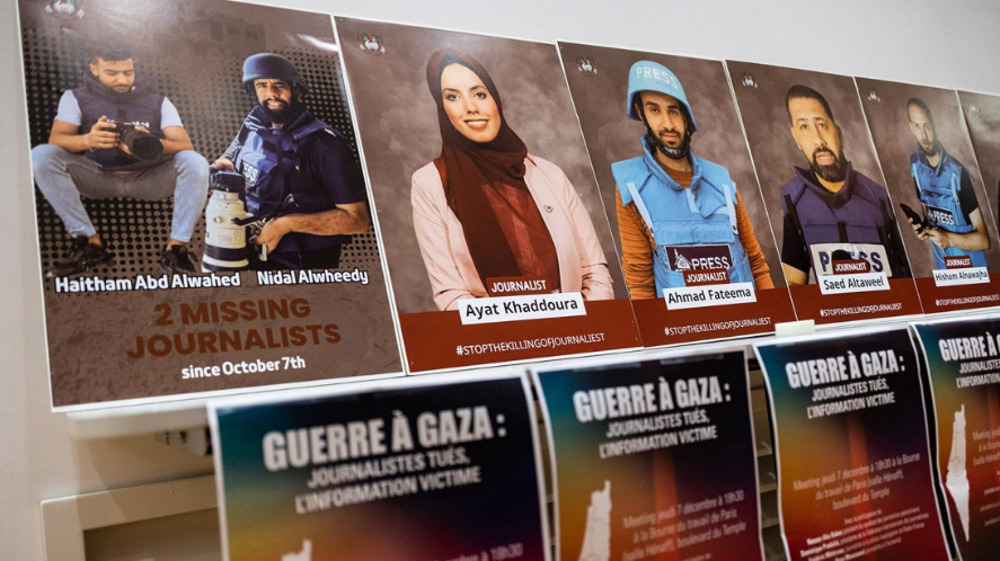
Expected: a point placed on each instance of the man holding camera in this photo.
(301, 178)
(100, 147)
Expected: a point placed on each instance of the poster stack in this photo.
(653, 460)
(963, 374)
(415, 470)
(851, 448)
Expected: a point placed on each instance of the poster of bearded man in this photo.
(841, 248)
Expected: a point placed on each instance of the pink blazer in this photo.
(453, 276)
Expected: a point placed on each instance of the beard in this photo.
(932, 151)
(284, 114)
(835, 172)
(674, 153)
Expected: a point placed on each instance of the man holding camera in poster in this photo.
(117, 136)
(301, 179)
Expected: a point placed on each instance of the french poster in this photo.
(248, 294)
(420, 470)
(495, 236)
(662, 130)
(851, 448)
(653, 460)
(963, 368)
(982, 117)
(840, 244)
(931, 171)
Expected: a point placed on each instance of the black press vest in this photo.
(141, 106)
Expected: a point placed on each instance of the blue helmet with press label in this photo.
(647, 75)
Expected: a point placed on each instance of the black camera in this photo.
(227, 181)
(142, 145)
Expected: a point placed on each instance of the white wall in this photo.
(952, 44)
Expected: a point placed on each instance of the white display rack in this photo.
(185, 423)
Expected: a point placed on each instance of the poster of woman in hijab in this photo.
(497, 243)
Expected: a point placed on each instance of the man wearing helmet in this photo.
(678, 213)
(86, 155)
(832, 212)
(300, 173)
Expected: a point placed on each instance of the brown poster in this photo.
(495, 236)
(676, 179)
(982, 116)
(932, 175)
(202, 216)
(841, 247)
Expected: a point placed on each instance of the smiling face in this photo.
(470, 107)
(275, 96)
(818, 137)
(116, 75)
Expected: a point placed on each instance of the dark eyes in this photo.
(477, 95)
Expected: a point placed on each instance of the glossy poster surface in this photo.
(692, 275)
(964, 373)
(931, 172)
(127, 319)
(982, 116)
(840, 243)
(422, 470)
(653, 460)
(851, 448)
(495, 235)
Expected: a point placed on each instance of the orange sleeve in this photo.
(758, 263)
(637, 250)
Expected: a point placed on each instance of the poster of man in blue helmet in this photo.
(695, 243)
(163, 279)
(301, 180)
(690, 205)
(841, 248)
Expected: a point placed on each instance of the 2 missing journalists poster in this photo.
(258, 87)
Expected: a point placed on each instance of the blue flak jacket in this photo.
(702, 215)
(938, 189)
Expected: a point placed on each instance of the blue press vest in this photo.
(269, 160)
(141, 106)
(703, 214)
(938, 189)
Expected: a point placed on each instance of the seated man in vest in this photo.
(952, 219)
(678, 213)
(300, 173)
(87, 155)
(832, 213)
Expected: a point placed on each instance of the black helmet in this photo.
(267, 65)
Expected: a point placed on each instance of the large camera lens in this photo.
(142, 144)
